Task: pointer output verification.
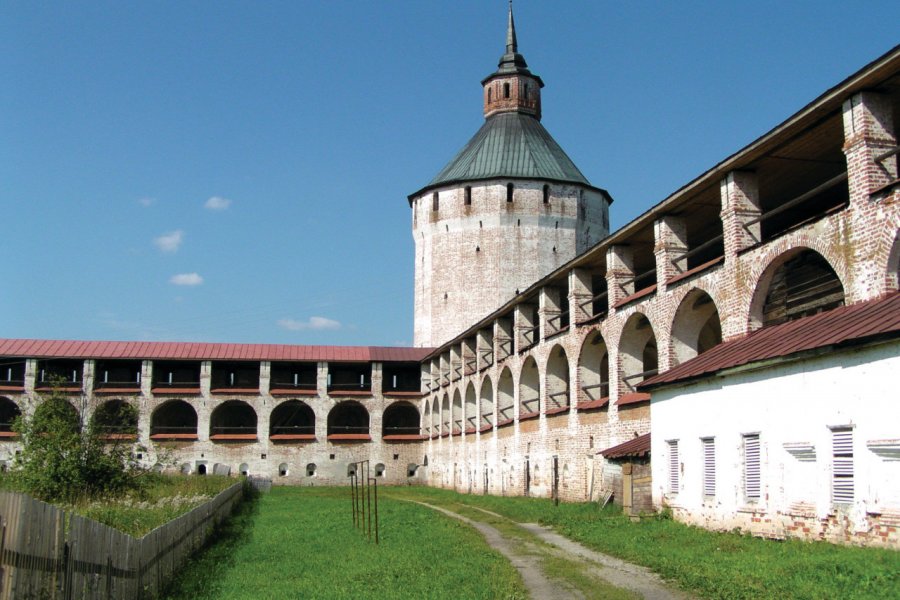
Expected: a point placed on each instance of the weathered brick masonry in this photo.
(535, 329)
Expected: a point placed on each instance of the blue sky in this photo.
(238, 171)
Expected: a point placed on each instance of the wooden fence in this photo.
(48, 553)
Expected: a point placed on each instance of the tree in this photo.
(65, 459)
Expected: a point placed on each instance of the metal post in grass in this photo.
(369, 505)
(361, 477)
(375, 485)
(369, 500)
(353, 496)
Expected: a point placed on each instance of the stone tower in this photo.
(508, 209)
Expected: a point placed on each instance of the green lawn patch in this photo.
(301, 543)
(712, 565)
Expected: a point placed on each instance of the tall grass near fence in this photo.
(53, 554)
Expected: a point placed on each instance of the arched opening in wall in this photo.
(233, 421)
(637, 352)
(283, 470)
(593, 369)
(893, 268)
(445, 415)
(348, 421)
(457, 413)
(173, 420)
(244, 469)
(310, 469)
(115, 420)
(557, 381)
(471, 409)
(505, 398)
(797, 284)
(435, 417)
(292, 421)
(506, 90)
(9, 412)
(487, 404)
(400, 421)
(201, 469)
(529, 389)
(696, 327)
(56, 412)
(379, 470)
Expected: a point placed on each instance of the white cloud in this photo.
(314, 323)
(169, 242)
(186, 279)
(145, 202)
(217, 203)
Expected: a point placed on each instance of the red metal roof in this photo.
(639, 446)
(600, 403)
(632, 398)
(694, 271)
(206, 351)
(635, 296)
(842, 326)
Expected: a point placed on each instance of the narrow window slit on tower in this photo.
(434, 201)
(506, 90)
(468, 195)
(509, 192)
(546, 194)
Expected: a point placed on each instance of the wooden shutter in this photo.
(751, 467)
(709, 466)
(673, 467)
(842, 469)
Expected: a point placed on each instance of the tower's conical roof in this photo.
(513, 145)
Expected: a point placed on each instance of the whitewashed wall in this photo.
(793, 407)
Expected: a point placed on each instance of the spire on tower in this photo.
(511, 45)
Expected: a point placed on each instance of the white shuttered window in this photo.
(751, 467)
(709, 466)
(673, 467)
(842, 470)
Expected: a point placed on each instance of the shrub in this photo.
(65, 460)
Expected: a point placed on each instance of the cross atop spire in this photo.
(511, 45)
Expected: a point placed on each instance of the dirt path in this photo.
(528, 564)
(577, 572)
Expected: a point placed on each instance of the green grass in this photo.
(712, 565)
(300, 543)
(161, 499)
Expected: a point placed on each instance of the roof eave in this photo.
(756, 365)
(453, 182)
